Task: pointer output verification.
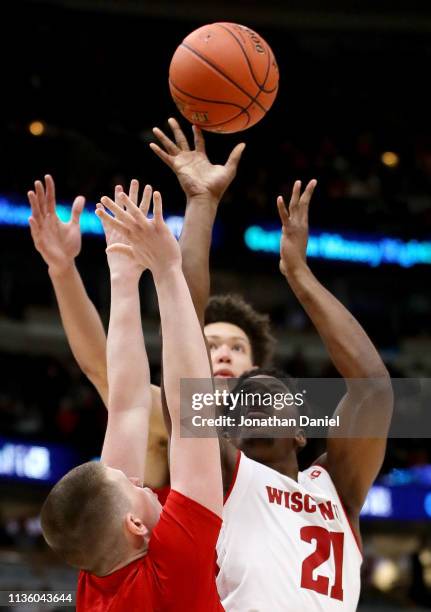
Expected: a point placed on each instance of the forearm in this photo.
(184, 351)
(127, 362)
(82, 325)
(195, 243)
(349, 347)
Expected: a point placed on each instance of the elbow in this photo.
(371, 365)
(375, 387)
(379, 390)
(99, 379)
(97, 374)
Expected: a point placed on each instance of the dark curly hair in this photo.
(232, 308)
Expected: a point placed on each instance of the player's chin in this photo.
(154, 515)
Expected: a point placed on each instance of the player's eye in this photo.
(212, 346)
(238, 347)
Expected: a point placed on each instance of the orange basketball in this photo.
(223, 77)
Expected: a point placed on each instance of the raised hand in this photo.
(120, 254)
(58, 243)
(151, 241)
(294, 219)
(197, 175)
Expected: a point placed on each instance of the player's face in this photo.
(268, 449)
(230, 349)
(143, 501)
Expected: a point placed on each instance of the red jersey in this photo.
(162, 493)
(176, 575)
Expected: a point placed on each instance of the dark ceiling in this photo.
(413, 15)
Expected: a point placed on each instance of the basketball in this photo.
(223, 77)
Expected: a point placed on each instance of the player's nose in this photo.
(223, 354)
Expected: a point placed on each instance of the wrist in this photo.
(204, 199)
(296, 269)
(166, 274)
(123, 265)
(59, 270)
(122, 277)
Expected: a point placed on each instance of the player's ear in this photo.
(135, 527)
(300, 440)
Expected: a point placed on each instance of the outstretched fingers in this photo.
(108, 221)
(282, 211)
(235, 156)
(179, 135)
(40, 194)
(164, 140)
(134, 191)
(157, 208)
(77, 208)
(162, 154)
(130, 207)
(50, 194)
(118, 208)
(294, 198)
(146, 199)
(198, 139)
(36, 213)
(308, 192)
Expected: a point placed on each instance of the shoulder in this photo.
(183, 522)
(320, 474)
(182, 547)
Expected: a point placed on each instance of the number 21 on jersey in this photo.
(327, 543)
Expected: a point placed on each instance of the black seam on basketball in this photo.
(268, 68)
(251, 103)
(243, 110)
(271, 57)
(261, 86)
(204, 59)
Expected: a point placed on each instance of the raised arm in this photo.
(129, 403)
(366, 409)
(59, 244)
(195, 462)
(204, 185)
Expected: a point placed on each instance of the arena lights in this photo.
(25, 461)
(17, 215)
(331, 246)
(390, 159)
(323, 245)
(36, 128)
(404, 503)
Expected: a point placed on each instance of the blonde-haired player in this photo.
(134, 554)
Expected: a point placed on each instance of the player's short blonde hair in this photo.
(81, 518)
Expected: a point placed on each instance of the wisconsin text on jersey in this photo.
(298, 502)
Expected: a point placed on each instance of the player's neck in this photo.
(126, 561)
(285, 466)
(278, 458)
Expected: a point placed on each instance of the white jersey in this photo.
(286, 546)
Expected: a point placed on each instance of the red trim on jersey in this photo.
(355, 537)
(235, 474)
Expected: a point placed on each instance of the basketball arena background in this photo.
(82, 84)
